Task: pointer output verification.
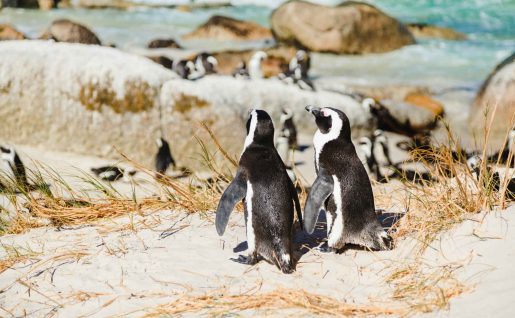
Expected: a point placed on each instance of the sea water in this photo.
(488, 24)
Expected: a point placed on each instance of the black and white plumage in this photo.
(288, 127)
(15, 169)
(384, 120)
(342, 187)
(241, 71)
(268, 195)
(503, 157)
(183, 68)
(254, 66)
(206, 64)
(164, 157)
(113, 173)
(297, 73)
(491, 179)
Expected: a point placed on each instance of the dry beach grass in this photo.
(412, 286)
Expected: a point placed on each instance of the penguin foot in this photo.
(247, 260)
(325, 248)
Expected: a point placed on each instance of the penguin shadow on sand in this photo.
(305, 242)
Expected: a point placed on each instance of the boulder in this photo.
(68, 31)
(427, 31)
(350, 28)
(73, 102)
(163, 43)
(224, 28)
(496, 98)
(7, 32)
(47, 4)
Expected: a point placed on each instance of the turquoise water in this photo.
(489, 25)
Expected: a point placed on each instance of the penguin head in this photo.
(331, 121)
(159, 142)
(370, 104)
(300, 55)
(259, 56)
(212, 60)
(286, 114)
(260, 128)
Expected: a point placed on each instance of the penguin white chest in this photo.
(336, 229)
(251, 237)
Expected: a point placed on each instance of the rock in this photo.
(163, 43)
(68, 31)
(426, 102)
(350, 28)
(423, 31)
(224, 28)
(47, 4)
(163, 60)
(223, 103)
(496, 94)
(278, 57)
(7, 32)
(82, 99)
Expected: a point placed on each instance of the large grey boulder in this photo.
(497, 94)
(65, 30)
(350, 28)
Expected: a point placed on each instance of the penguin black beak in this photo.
(315, 111)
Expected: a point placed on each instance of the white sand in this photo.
(123, 266)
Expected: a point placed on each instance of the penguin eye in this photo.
(325, 112)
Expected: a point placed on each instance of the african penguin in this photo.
(241, 71)
(491, 179)
(183, 68)
(366, 147)
(342, 187)
(283, 149)
(15, 167)
(300, 64)
(268, 195)
(288, 127)
(164, 157)
(503, 156)
(206, 64)
(254, 66)
(113, 173)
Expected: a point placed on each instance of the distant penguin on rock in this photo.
(254, 66)
(241, 71)
(298, 69)
(164, 157)
(342, 187)
(15, 167)
(113, 173)
(206, 64)
(183, 68)
(268, 195)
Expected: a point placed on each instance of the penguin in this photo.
(16, 169)
(254, 66)
(164, 157)
(297, 72)
(381, 145)
(384, 120)
(300, 64)
(342, 187)
(113, 173)
(241, 71)
(268, 195)
(503, 156)
(288, 127)
(183, 68)
(282, 145)
(491, 179)
(366, 146)
(206, 63)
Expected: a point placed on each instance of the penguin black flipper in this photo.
(234, 193)
(321, 190)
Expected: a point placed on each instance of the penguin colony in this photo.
(265, 181)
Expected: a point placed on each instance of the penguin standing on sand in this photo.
(164, 157)
(254, 66)
(342, 187)
(268, 195)
(16, 168)
(288, 127)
